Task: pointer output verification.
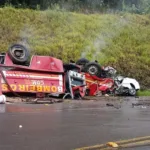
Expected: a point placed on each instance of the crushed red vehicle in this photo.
(43, 76)
(98, 80)
(96, 86)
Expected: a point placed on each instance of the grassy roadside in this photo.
(143, 93)
(118, 40)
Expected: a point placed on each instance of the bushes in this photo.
(49, 32)
(129, 51)
(86, 6)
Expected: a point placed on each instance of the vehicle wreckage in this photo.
(43, 76)
(105, 80)
(46, 76)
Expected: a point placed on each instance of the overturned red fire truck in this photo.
(42, 76)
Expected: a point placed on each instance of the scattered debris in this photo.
(2, 108)
(136, 104)
(46, 101)
(110, 105)
(67, 101)
(2, 99)
(142, 104)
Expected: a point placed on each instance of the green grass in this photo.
(119, 40)
(144, 93)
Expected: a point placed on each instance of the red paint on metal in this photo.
(80, 89)
(44, 74)
(93, 89)
(8, 61)
(96, 84)
(46, 63)
(21, 81)
(38, 63)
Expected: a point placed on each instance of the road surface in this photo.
(72, 124)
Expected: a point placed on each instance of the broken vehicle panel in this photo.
(96, 85)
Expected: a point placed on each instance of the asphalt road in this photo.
(70, 125)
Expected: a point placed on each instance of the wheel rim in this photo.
(18, 53)
(92, 70)
(132, 91)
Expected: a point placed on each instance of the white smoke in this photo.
(105, 38)
(25, 35)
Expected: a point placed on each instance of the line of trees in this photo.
(135, 6)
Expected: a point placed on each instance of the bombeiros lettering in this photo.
(32, 88)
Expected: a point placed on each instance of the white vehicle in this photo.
(126, 86)
(123, 85)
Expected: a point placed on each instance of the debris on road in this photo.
(117, 106)
(2, 99)
(2, 108)
(46, 101)
(110, 105)
(142, 104)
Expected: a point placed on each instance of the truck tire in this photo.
(19, 54)
(93, 68)
(82, 61)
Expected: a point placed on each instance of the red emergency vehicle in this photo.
(42, 76)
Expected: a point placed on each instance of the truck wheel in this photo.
(93, 69)
(82, 61)
(18, 54)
